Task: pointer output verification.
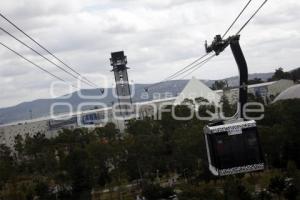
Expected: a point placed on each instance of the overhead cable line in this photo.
(45, 49)
(200, 65)
(186, 67)
(259, 8)
(191, 66)
(36, 65)
(228, 29)
(198, 59)
(176, 73)
(61, 68)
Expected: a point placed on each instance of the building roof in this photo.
(251, 86)
(79, 113)
(262, 84)
(255, 85)
(290, 93)
(196, 88)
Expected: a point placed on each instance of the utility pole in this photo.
(30, 114)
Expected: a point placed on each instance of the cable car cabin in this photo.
(233, 148)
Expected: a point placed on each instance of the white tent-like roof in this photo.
(290, 93)
(195, 89)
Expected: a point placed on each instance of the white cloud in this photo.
(159, 37)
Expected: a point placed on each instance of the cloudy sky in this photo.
(159, 37)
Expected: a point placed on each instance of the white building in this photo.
(290, 93)
(99, 117)
(9, 132)
(267, 91)
(195, 89)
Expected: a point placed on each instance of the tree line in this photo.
(278, 75)
(79, 162)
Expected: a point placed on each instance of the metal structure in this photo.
(218, 45)
(119, 61)
(233, 146)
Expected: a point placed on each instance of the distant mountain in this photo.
(234, 81)
(41, 107)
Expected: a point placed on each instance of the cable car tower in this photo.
(119, 61)
(233, 146)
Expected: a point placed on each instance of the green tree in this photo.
(199, 100)
(203, 191)
(19, 145)
(234, 189)
(277, 186)
(155, 192)
(227, 108)
(280, 74)
(7, 166)
(219, 85)
(255, 81)
(79, 171)
(109, 131)
(187, 101)
(281, 126)
(100, 156)
(38, 150)
(188, 150)
(295, 74)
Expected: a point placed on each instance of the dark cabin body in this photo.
(233, 148)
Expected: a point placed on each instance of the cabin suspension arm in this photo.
(218, 45)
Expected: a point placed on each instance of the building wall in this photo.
(2, 136)
(279, 86)
(266, 90)
(8, 133)
(90, 119)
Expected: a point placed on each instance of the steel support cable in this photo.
(242, 11)
(200, 65)
(176, 73)
(45, 49)
(23, 43)
(228, 29)
(244, 8)
(209, 58)
(245, 24)
(187, 66)
(36, 65)
(186, 70)
(259, 8)
(192, 67)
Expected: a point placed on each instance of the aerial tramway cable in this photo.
(235, 20)
(36, 65)
(192, 65)
(200, 65)
(48, 51)
(23, 43)
(179, 72)
(253, 15)
(186, 67)
(233, 146)
(195, 66)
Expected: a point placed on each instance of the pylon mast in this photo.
(119, 61)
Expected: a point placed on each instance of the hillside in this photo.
(41, 107)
